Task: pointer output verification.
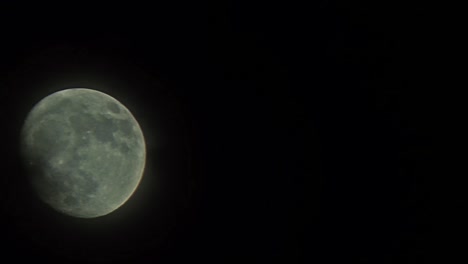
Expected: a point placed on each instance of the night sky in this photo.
(275, 132)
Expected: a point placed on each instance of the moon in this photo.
(84, 151)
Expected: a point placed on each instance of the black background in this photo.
(275, 132)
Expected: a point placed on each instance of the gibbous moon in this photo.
(84, 150)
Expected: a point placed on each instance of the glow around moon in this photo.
(84, 150)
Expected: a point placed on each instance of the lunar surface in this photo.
(84, 150)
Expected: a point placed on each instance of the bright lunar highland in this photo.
(84, 151)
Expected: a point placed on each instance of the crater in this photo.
(126, 127)
(104, 129)
(113, 107)
(124, 148)
(82, 122)
(70, 201)
(56, 106)
(88, 184)
(87, 125)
